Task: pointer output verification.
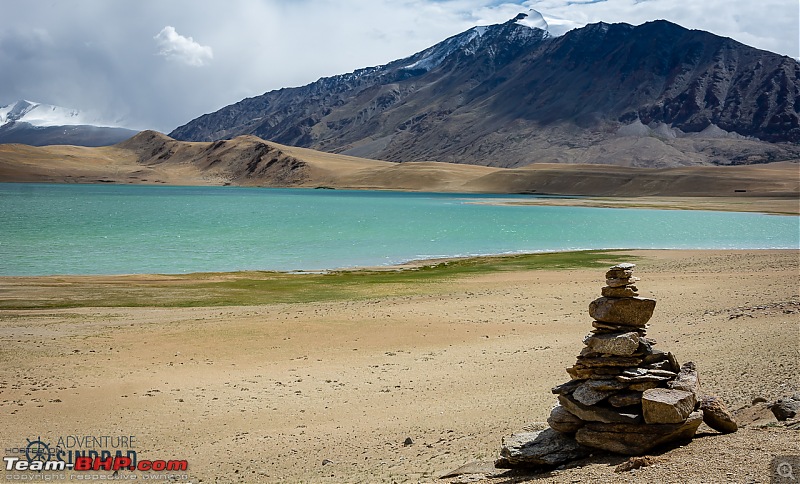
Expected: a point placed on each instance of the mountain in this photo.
(511, 94)
(37, 124)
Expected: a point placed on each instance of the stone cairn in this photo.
(625, 396)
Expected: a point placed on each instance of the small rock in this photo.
(619, 273)
(717, 416)
(666, 406)
(635, 463)
(625, 399)
(687, 379)
(543, 448)
(643, 386)
(590, 394)
(563, 421)
(624, 291)
(326, 462)
(408, 442)
(568, 387)
(620, 282)
(785, 408)
(633, 311)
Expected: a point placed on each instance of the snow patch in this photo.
(554, 26)
(435, 55)
(533, 19)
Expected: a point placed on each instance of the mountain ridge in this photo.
(514, 95)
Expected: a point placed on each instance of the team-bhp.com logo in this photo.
(95, 464)
(86, 453)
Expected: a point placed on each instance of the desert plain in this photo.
(391, 376)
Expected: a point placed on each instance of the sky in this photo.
(158, 64)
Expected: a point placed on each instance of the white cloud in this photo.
(175, 46)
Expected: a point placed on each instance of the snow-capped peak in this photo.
(532, 19)
(38, 114)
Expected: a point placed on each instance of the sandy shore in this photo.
(330, 391)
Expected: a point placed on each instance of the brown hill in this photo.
(153, 158)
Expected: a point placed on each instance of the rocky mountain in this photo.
(38, 124)
(511, 94)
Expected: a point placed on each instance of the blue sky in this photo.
(158, 64)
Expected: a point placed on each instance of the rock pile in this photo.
(625, 396)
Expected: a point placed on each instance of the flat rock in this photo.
(629, 311)
(666, 406)
(568, 387)
(687, 379)
(625, 399)
(619, 344)
(601, 327)
(597, 413)
(543, 448)
(619, 273)
(623, 291)
(590, 393)
(609, 384)
(604, 361)
(622, 281)
(600, 373)
(561, 420)
(717, 416)
(625, 266)
(636, 439)
(642, 378)
(666, 373)
(647, 385)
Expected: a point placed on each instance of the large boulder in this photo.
(717, 416)
(666, 406)
(543, 448)
(629, 311)
(636, 439)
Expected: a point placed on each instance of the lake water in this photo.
(123, 229)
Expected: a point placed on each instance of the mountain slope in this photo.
(37, 124)
(510, 94)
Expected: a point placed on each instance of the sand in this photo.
(330, 391)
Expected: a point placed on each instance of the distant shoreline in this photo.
(784, 204)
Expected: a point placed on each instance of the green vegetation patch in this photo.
(257, 288)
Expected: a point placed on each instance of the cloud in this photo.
(175, 46)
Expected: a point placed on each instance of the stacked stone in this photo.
(625, 396)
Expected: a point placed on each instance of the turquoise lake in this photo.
(125, 229)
